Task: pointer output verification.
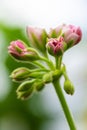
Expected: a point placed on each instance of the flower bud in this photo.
(72, 35)
(20, 74)
(21, 52)
(16, 48)
(26, 89)
(37, 37)
(68, 87)
(55, 46)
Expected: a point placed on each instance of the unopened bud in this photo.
(56, 47)
(72, 35)
(37, 37)
(68, 87)
(20, 74)
(20, 51)
(25, 90)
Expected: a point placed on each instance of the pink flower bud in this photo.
(72, 33)
(20, 51)
(55, 46)
(37, 37)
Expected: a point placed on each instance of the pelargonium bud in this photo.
(68, 87)
(20, 51)
(72, 34)
(56, 46)
(26, 89)
(20, 74)
(37, 37)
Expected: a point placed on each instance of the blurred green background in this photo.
(42, 111)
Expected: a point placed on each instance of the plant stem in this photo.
(64, 105)
(38, 64)
(56, 59)
(58, 62)
(49, 62)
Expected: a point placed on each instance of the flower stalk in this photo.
(64, 105)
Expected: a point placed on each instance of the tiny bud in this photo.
(26, 89)
(68, 87)
(37, 37)
(20, 74)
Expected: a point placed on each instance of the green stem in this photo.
(49, 62)
(38, 64)
(64, 105)
(65, 73)
(39, 70)
(56, 58)
(58, 62)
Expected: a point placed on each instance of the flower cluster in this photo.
(43, 44)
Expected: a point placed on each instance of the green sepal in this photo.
(36, 74)
(39, 84)
(54, 34)
(40, 44)
(48, 77)
(30, 55)
(70, 44)
(57, 74)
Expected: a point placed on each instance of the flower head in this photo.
(20, 51)
(37, 37)
(71, 34)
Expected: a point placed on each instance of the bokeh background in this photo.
(43, 110)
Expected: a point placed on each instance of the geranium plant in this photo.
(42, 45)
